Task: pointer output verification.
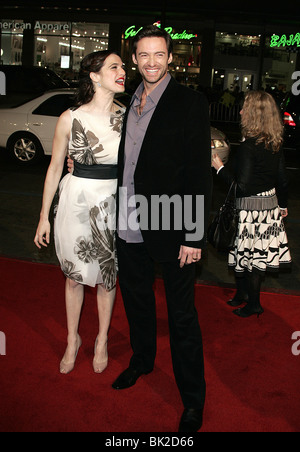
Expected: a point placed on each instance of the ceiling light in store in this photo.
(73, 46)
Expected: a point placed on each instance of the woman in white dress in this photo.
(86, 212)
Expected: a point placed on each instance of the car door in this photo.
(42, 120)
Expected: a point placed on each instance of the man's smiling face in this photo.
(152, 59)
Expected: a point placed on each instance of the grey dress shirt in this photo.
(128, 227)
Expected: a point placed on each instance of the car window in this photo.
(21, 79)
(14, 100)
(51, 80)
(55, 105)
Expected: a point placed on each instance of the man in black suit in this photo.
(164, 155)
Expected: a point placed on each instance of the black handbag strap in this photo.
(231, 190)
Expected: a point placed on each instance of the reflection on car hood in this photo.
(216, 134)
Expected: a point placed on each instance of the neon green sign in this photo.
(132, 31)
(283, 41)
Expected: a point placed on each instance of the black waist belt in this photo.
(95, 171)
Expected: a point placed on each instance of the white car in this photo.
(219, 144)
(27, 130)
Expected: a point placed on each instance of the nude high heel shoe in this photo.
(66, 368)
(99, 366)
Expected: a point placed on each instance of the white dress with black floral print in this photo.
(86, 213)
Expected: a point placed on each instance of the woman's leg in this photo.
(254, 285)
(241, 295)
(105, 302)
(253, 306)
(74, 294)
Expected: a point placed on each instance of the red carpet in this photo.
(252, 375)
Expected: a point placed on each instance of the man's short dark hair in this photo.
(152, 31)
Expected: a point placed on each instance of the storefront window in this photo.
(237, 44)
(59, 46)
(187, 60)
(63, 47)
(235, 62)
(279, 65)
(238, 66)
(11, 40)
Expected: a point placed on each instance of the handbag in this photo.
(222, 231)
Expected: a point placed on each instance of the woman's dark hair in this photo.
(90, 63)
(152, 31)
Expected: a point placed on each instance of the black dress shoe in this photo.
(247, 311)
(191, 420)
(234, 302)
(128, 378)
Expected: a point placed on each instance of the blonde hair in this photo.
(261, 120)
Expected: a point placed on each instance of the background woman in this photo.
(85, 218)
(261, 242)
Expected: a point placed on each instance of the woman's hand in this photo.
(59, 147)
(42, 236)
(284, 212)
(216, 162)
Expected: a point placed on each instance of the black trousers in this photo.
(136, 278)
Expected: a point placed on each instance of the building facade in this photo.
(211, 50)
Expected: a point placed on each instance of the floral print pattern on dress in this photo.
(98, 247)
(69, 270)
(86, 250)
(85, 144)
(116, 121)
(104, 240)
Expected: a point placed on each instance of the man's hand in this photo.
(70, 164)
(189, 255)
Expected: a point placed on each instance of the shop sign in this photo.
(37, 26)
(132, 31)
(285, 41)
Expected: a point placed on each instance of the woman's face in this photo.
(111, 76)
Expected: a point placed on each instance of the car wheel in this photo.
(25, 148)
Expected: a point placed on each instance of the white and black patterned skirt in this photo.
(261, 241)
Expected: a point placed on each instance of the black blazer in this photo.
(257, 169)
(175, 159)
